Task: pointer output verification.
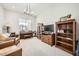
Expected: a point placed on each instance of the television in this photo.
(49, 28)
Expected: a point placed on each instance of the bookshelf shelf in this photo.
(66, 36)
(66, 33)
(65, 43)
(64, 49)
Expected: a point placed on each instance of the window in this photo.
(25, 25)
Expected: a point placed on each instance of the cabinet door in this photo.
(46, 40)
(50, 42)
(49, 39)
(42, 37)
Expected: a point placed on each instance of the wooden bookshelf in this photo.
(65, 22)
(66, 33)
(65, 43)
(66, 36)
(64, 49)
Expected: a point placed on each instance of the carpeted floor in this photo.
(34, 47)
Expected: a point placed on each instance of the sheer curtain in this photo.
(24, 25)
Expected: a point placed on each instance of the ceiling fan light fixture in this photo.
(28, 11)
(24, 10)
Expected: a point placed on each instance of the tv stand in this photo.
(48, 38)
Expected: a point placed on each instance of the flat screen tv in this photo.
(49, 28)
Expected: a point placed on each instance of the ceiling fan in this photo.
(28, 11)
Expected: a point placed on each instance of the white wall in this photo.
(51, 14)
(1, 18)
(12, 19)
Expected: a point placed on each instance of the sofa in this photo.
(8, 46)
(24, 35)
(11, 51)
(8, 41)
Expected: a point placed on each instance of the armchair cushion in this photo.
(11, 51)
(3, 37)
(8, 41)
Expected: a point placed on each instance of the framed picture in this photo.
(63, 18)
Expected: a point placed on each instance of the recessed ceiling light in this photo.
(13, 6)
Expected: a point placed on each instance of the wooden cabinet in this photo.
(66, 35)
(48, 38)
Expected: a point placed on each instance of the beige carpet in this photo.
(34, 47)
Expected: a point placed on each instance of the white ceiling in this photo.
(35, 7)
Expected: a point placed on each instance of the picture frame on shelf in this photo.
(66, 18)
(63, 18)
